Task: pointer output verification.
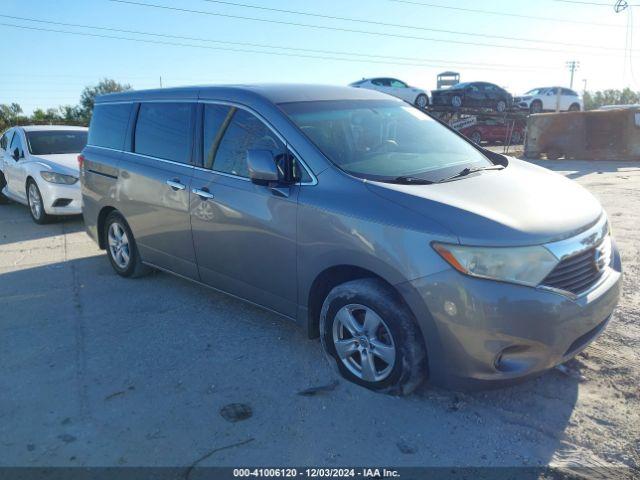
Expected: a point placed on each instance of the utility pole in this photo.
(160, 81)
(584, 86)
(572, 66)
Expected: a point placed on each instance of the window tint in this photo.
(571, 93)
(109, 125)
(163, 130)
(398, 84)
(56, 142)
(245, 132)
(4, 141)
(216, 119)
(16, 142)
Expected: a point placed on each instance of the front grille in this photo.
(582, 270)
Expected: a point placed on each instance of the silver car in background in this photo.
(411, 252)
(39, 168)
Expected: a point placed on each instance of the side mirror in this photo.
(16, 154)
(262, 166)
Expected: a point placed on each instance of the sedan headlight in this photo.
(523, 265)
(53, 177)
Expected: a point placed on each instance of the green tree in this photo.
(89, 94)
(9, 115)
(598, 99)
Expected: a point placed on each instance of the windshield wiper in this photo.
(409, 180)
(468, 171)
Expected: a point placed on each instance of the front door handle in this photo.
(176, 185)
(204, 194)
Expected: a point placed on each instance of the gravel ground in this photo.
(103, 371)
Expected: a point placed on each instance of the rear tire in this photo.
(476, 137)
(574, 107)
(501, 106)
(381, 347)
(36, 204)
(121, 247)
(456, 101)
(422, 101)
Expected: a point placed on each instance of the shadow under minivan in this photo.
(409, 251)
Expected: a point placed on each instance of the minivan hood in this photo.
(521, 205)
(66, 163)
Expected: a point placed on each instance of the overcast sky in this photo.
(44, 68)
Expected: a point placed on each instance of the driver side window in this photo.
(16, 143)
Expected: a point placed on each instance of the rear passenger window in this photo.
(163, 130)
(109, 125)
(245, 132)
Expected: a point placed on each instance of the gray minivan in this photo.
(411, 252)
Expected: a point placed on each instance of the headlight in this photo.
(53, 177)
(524, 265)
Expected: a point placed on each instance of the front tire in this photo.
(476, 137)
(3, 183)
(501, 106)
(372, 337)
(574, 107)
(36, 204)
(536, 107)
(456, 101)
(121, 247)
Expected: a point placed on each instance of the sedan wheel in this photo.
(36, 205)
(119, 245)
(501, 106)
(422, 101)
(364, 343)
(456, 101)
(476, 137)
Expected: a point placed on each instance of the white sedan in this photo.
(397, 88)
(39, 168)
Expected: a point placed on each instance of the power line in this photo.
(282, 47)
(283, 54)
(504, 14)
(398, 25)
(341, 29)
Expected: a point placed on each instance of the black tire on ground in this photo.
(422, 101)
(410, 365)
(37, 214)
(574, 107)
(3, 183)
(134, 268)
(536, 106)
(476, 137)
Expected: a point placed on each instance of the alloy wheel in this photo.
(364, 343)
(119, 246)
(35, 201)
(501, 106)
(456, 101)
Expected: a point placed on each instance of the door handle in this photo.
(176, 185)
(203, 194)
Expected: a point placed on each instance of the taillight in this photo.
(80, 161)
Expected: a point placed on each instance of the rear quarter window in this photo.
(109, 125)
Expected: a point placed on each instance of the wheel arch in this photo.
(102, 218)
(330, 278)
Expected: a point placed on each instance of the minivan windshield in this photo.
(55, 142)
(384, 140)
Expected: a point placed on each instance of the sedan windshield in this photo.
(384, 140)
(536, 91)
(54, 142)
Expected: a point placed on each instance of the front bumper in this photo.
(481, 333)
(61, 199)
